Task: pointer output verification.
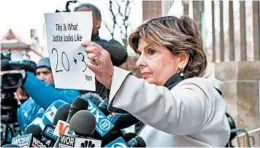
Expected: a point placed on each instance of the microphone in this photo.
(122, 119)
(103, 106)
(51, 111)
(48, 116)
(129, 136)
(27, 140)
(78, 104)
(103, 124)
(137, 142)
(48, 133)
(36, 131)
(133, 141)
(83, 124)
(62, 127)
(98, 101)
(62, 113)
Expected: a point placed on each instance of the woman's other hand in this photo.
(100, 63)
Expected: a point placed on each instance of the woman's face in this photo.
(157, 63)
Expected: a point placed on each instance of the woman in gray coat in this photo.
(172, 98)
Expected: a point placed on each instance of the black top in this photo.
(117, 52)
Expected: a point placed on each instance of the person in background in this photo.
(117, 52)
(173, 99)
(41, 92)
(118, 56)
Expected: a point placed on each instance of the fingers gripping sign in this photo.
(99, 62)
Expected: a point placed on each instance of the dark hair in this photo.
(177, 35)
(95, 10)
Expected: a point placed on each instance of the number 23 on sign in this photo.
(65, 62)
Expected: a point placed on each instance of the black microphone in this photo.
(83, 123)
(115, 123)
(133, 140)
(48, 131)
(62, 113)
(129, 136)
(103, 106)
(77, 105)
(125, 120)
(137, 142)
(48, 135)
(35, 130)
(127, 140)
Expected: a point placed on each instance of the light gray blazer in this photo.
(192, 111)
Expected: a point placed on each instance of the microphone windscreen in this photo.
(77, 105)
(93, 96)
(62, 113)
(128, 136)
(80, 103)
(50, 112)
(10, 145)
(83, 123)
(35, 130)
(140, 142)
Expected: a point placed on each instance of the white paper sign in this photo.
(65, 32)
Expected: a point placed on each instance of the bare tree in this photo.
(120, 11)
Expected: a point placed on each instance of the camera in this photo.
(11, 79)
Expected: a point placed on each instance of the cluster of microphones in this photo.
(84, 123)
